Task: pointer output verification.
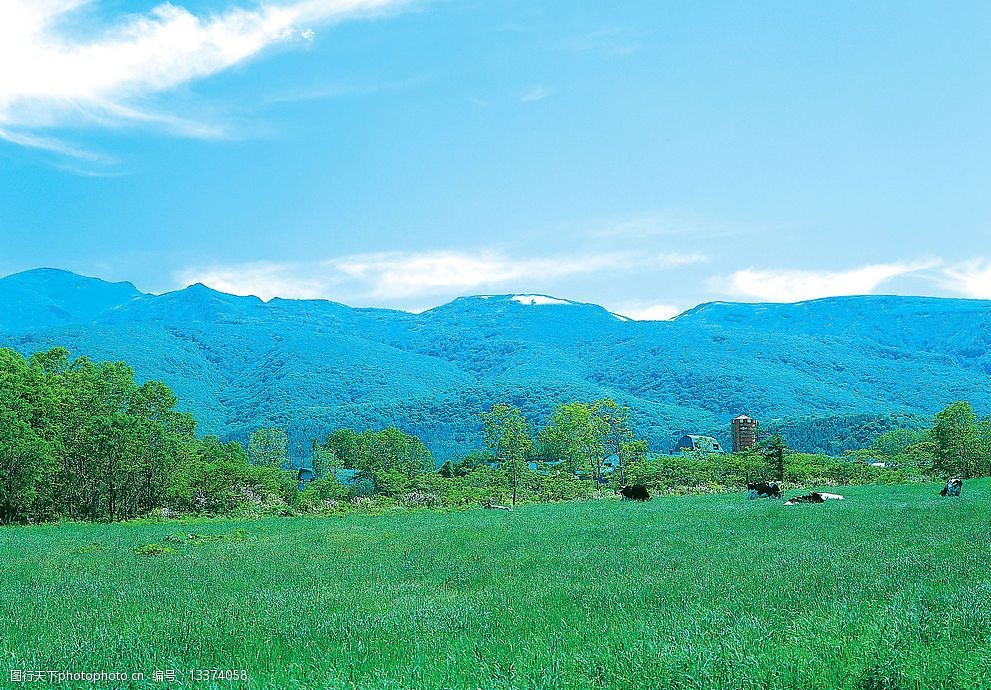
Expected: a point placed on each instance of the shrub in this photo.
(153, 550)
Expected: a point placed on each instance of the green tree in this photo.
(269, 447)
(508, 436)
(892, 444)
(984, 442)
(391, 459)
(576, 435)
(26, 468)
(631, 453)
(773, 450)
(343, 445)
(322, 460)
(618, 438)
(957, 440)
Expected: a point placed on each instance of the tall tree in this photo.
(957, 439)
(773, 450)
(390, 459)
(619, 438)
(631, 452)
(576, 434)
(342, 444)
(984, 441)
(322, 460)
(269, 447)
(26, 469)
(508, 435)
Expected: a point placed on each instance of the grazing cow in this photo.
(763, 490)
(637, 492)
(953, 487)
(814, 497)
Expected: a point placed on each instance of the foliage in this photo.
(510, 440)
(153, 550)
(619, 437)
(688, 473)
(81, 440)
(773, 450)
(269, 447)
(390, 458)
(957, 440)
(575, 435)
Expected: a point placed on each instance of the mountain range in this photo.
(828, 372)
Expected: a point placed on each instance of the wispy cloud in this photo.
(262, 279)
(339, 90)
(608, 41)
(53, 77)
(798, 285)
(969, 278)
(400, 274)
(405, 278)
(671, 223)
(537, 93)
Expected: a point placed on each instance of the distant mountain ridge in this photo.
(311, 365)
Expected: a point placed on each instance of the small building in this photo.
(699, 444)
(305, 474)
(744, 433)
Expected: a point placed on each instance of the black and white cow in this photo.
(814, 497)
(637, 492)
(763, 490)
(953, 487)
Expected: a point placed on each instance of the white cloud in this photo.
(52, 76)
(398, 274)
(969, 278)
(537, 93)
(646, 311)
(261, 279)
(406, 278)
(798, 285)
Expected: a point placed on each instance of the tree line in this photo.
(82, 440)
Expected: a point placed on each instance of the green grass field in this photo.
(888, 589)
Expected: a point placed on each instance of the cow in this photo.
(763, 490)
(637, 492)
(953, 487)
(814, 497)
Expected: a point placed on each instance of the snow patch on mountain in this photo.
(540, 300)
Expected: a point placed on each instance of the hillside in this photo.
(845, 364)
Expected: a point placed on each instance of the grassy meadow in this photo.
(888, 589)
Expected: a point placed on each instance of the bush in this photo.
(153, 550)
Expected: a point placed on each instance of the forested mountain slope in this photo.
(238, 363)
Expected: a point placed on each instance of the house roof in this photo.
(698, 442)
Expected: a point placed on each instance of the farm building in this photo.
(744, 433)
(305, 474)
(700, 444)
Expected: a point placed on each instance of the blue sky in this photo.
(643, 155)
